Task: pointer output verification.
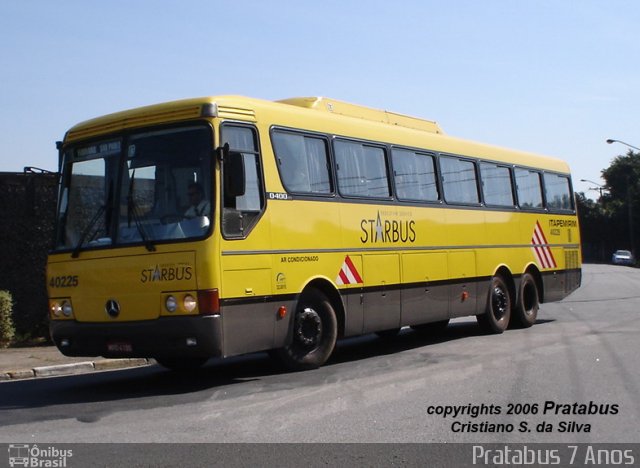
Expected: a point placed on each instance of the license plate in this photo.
(119, 347)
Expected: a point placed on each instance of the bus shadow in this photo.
(90, 397)
(370, 346)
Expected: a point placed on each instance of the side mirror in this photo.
(233, 167)
(60, 148)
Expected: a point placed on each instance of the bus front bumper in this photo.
(193, 336)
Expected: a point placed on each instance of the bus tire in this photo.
(315, 331)
(181, 364)
(526, 311)
(497, 313)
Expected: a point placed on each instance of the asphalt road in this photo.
(532, 385)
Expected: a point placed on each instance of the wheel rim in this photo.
(499, 302)
(308, 327)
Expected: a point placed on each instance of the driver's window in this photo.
(241, 212)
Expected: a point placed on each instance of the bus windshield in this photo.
(140, 188)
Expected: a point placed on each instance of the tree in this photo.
(622, 203)
(595, 229)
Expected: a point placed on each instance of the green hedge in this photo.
(27, 218)
(7, 329)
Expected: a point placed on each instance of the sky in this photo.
(555, 77)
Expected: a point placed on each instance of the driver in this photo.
(198, 205)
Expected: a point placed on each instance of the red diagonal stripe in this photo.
(553, 260)
(543, 251)
(542, 258)
(353, 269)
(541, 233)
(343, 277)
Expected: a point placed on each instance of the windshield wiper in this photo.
(87, 230)
(132, 212)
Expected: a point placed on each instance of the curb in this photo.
(73, 368)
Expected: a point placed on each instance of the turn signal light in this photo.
(209, 302)
(60, 308)
(56, 309)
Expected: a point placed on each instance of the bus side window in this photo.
(303, 162)
(529, 189)
(241, 212)
(415, 175)
(362, 170)
(496, 185)
(459, 180)
(558, 192)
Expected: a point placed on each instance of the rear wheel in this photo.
(315, 330)
(526, 311)
(498, 310)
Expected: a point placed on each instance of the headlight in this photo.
(67, 309)
(61, 308)
(189, 302)
(171, 304)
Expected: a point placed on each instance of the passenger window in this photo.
(362, 170)
(558, 192)
(496, 185)
(303, 162)
(529, 189)
(459, 181)
(414, 175)
(241, 212)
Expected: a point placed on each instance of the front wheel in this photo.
(315, 331)
(498, 310)
(526, 311)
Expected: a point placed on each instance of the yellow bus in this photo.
(227, 225)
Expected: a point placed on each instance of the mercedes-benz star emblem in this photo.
(112, 308)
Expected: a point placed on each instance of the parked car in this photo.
(622, 257)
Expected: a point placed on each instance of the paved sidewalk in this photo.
(47, 361)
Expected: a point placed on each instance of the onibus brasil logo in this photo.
(34, 456)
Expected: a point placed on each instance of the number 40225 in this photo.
(69, 281)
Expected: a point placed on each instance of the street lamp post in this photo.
(629, 196)
(599, 187)
(610, 140)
